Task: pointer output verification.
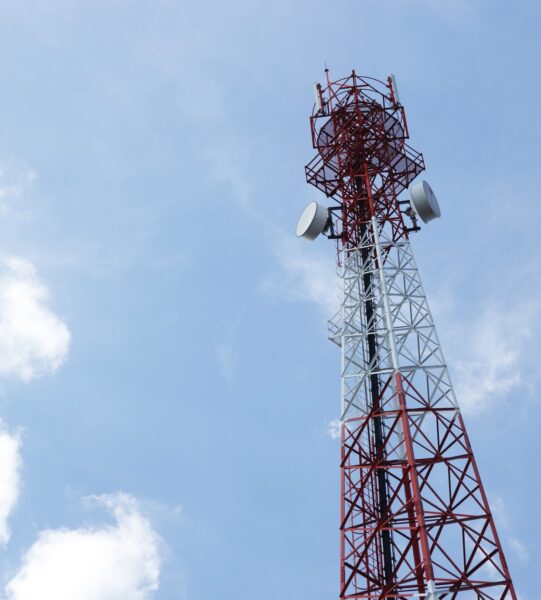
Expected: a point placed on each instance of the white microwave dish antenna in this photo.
(424, 201)
(313, 221)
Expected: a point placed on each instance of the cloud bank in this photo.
(33, 340)
(115, 562)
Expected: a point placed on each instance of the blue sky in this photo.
(166, 383)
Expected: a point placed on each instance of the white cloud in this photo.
(308, 273)
(33, 340)
(113, 562)
(10, 466)
(488, 364)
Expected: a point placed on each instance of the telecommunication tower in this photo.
(415, 520)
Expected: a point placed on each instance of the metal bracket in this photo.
(329, 227)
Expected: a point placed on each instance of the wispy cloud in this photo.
(14, 182)
(306, 274)
(488, 365)
(227, 159)
(333, 429)
(517, 547)
(121, 561)
(226, 352)
(226, 355)
(10, 467)
(491, 346)
(33, 340)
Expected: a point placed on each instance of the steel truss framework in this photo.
(415, 521)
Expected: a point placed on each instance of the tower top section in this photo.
(359, 129)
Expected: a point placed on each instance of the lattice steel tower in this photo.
(415, 521)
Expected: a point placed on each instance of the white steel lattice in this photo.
(409, 478)
(402, 324)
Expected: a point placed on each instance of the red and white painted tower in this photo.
(415, 520)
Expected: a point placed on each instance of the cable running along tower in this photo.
(415, 521)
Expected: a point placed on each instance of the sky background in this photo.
(167, 390)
